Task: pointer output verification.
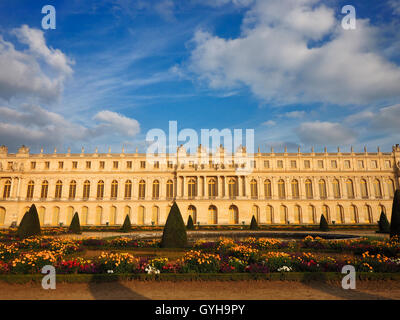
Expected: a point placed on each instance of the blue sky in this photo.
(114, 69)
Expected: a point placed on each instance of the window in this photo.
(142, 189)
(309, 190)
(307, 164)
(142, 164)
(114, 189)
(347, 164)
(29, 192)
(58, 192)
(128, 189)
(266, 164)
(45, 189)
(387, 164)
(156, 164)
(374, 164)
(212, 188)
(377, 188)
(7, 189)
(295, 189)
(60, 164)
(232, 188)
(320, 164)
(336, 188)
(88, 164)
(293, 164)
(280, 164)
(33, 165)
(360, 164)
(267, 189)
(102, 164)
(86, 190)
(72, 190)
(170, 189)
(169, 164)
(100, 190)
(350, 189)
(390, 186)
(129, 164)
(192, 188)
(156, 189)
(364, 189)
(254, 189)
(334, 164)
(253, 164)
(47, 164)
(281, 189)
(74, 164)
(322, 189)
(115, 164)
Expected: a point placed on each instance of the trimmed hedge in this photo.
(30, 224)
(190, 224)
(174, 235)
(253, 224)
(323, 224)
(127, 226)
(75, 226)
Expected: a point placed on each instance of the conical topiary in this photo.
(190, 224)
(323, 224)
(383, 223)
(126, 227)
(395, 220)
(174, 235)
(253, 224)
(75, 226)
(30, 224)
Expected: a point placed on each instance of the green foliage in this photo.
(174, 235)
(75, 226)
(253, 224)
(126, 227)
(30, 224)
(323, 224)
(190, 224)
(395, 220)
(383, 223)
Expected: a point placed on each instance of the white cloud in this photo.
(395, 4)
(296, 51)
(112, 121)
(325, 133)
(294, 114)
(38, 71)
(269, 123)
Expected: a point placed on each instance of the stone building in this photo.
(277, 188)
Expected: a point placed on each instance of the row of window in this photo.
(213, 192)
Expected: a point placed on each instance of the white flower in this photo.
(110, 271)
(151, 270)
(285, 269)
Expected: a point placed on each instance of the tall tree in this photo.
(30, 224)
(174, 235)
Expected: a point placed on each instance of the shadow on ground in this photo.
(113, 290)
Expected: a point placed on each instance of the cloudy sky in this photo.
(114, 69)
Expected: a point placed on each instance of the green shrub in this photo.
(383, 223)
(253, 224)
(323, 224)
(190, 224)
(75, 226)
(126, 227)
(174, 235)
(30, 224)
(395, 220)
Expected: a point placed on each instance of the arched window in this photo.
(70, 213)
(232, 188)
(256, 213)
(45, 189)
(29, 191)
(233, 215)
(113, 216)
(254, 189)
(270, 214)
(212, 215)
(7, 189)
(364, 189)
(325, 212)
(297, 214)
(2, 216)
(114, 189)
(350, 189)
(322, 189)
(72, 190)
(212, 188)
(192, 212)
(192, 188)
(156, 189)
(84, 216)
(42, 215)
(100, 190)
(368, 214)
(339, 214)
(58, 191)
(56, 216)
(311, 214)
(353, 214)
(309, 190)
(128, 189)
(390, 187)
(295, 189)
(283, 214)
(99, 216)
(377, 189)
(170, 189)
(155, 216)
(86, 190)
(141, 215)
(281, 189)
(268, 189)
(336, 188)
(142, 190)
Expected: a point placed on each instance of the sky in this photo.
(112, 70)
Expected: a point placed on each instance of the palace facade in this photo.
(277, 188)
